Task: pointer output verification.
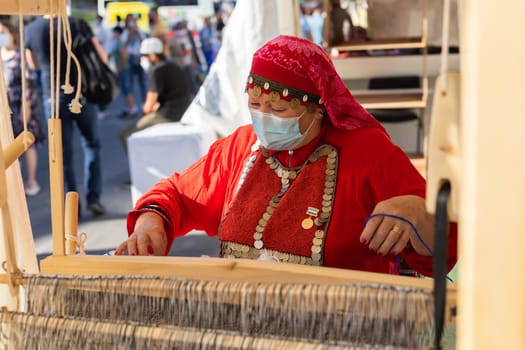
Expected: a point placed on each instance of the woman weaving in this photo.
(314, 180)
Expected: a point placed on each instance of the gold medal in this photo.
(307, 223)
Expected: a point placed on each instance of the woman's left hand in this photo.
(389, 235)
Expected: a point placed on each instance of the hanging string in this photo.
(414, 229)
(67, 42)
(70, 56)
(75, 105)
(64, 30)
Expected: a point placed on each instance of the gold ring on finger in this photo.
(396, 229)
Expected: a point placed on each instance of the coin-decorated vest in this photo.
(281, 212)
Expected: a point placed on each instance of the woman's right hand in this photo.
(148, 238)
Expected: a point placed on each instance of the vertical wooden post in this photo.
(71, 223)
(491, 238)
(56, 185)
(425, 111)
(7, 229)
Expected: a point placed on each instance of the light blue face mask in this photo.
(277, 133)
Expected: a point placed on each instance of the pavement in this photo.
(104, 233)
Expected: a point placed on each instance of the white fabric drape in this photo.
(221, 102)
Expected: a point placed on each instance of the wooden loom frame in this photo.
(63, 261)
(491, 296)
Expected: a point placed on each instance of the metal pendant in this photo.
(307, 223)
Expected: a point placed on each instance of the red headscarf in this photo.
(294, 65)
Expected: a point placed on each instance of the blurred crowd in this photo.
(347, 21)
(146, 78)
(192, 44)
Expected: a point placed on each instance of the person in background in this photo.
(168, 95)
(157, 28)
(341, 24)
(219, 24)
(105, 37)
(103, 34)
(119, 61)
(209, 41)
(132, 36)
(314, 180)
(306, 32)
(186, 54)
(315, 20)
(11, 62)
(37, 43)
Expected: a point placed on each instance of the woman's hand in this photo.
(388, 235)
(149, 237)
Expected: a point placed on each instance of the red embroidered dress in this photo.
(204, 197)
(304, 206)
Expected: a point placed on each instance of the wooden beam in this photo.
(30, 7)
(16, 148)
(217, 269)
(160, 334)
(235, 270)
(381, 44)
(391, 98)
(365, 67)
(56, 184)
(6, 278)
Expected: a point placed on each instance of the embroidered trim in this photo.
(287, 175)
(278, 90)
(249, 163)
(241, 251)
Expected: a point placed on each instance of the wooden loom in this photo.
(264, 289)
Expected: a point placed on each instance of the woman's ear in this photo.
(317, 110)
(319, 113)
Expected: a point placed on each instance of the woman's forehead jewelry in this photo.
(274, 96)
(257, 91)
